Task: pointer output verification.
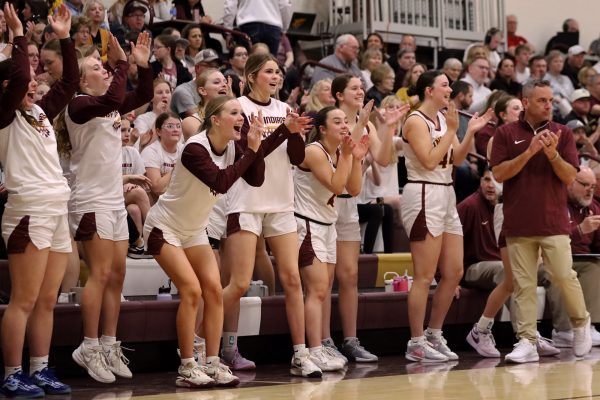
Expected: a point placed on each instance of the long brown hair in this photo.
(253, 66)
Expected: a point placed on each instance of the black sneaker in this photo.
(137, 252)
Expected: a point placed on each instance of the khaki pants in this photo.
(588, 273)
(523, 253)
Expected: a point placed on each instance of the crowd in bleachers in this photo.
(167, 78)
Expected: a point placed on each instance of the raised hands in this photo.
(12, 20)
(297, 123)
(115, 52)
(363, 116)
(29, 31)
(61, 22)
(257, 128)
(477, 122)
(452, 117)
(360, 149)
(395, 116)
(141, 50)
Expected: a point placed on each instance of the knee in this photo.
(453, 275)
(318, 292)
(348, 278)
(23, 303)
(213, 293)
(190, 294)
(237, 287)
(290, 280)
(46, 302)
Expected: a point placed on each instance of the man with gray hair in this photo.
(344, 59)
(452, 68)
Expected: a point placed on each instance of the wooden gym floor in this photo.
(561, 377)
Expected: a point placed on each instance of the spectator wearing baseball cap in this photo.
(574, 63)
(584, 143)
(581, 105)
(133, 16)
(185, 98)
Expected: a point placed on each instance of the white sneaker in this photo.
(563, 339)
(524, 351)
(335, 355)
(439, 343)
(595, 336)
(303, 366)
(424, 352)
(116, 360)
(545, 347)
(325, 361)
(92, 358)
(582, 339)
(328, 343)
(483, 342)
(193, 376)
(222, 375)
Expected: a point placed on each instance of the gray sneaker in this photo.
(355, 352)
(333, 348)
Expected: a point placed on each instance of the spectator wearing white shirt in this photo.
(477, 72)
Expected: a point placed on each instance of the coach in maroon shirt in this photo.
(536, 159)
(584, 216)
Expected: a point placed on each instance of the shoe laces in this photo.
(118, 352)
(542, 339)
(330, 352)
(98, 357)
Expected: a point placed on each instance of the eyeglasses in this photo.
(586, 185)
(33, 55)
(172, 126)
(136, 16)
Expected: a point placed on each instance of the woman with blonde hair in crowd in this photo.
(371, 59)
(319, 96)
(94, 10)
(97, 209)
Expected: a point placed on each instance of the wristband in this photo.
(553, 158)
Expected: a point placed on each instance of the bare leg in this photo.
(346, 271)
(71, 277)
(316, 282)
(41, 321)
(451, 267)
(425, 255)
(285, 250)
(263, 266)
(27, 272)
(111, 302)
(174, 262)
(100, 255)
(502, 291)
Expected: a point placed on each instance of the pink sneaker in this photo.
(483, 343)
(235, 361)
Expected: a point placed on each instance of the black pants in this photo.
(376, 215)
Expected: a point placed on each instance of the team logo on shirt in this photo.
(271, 123)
